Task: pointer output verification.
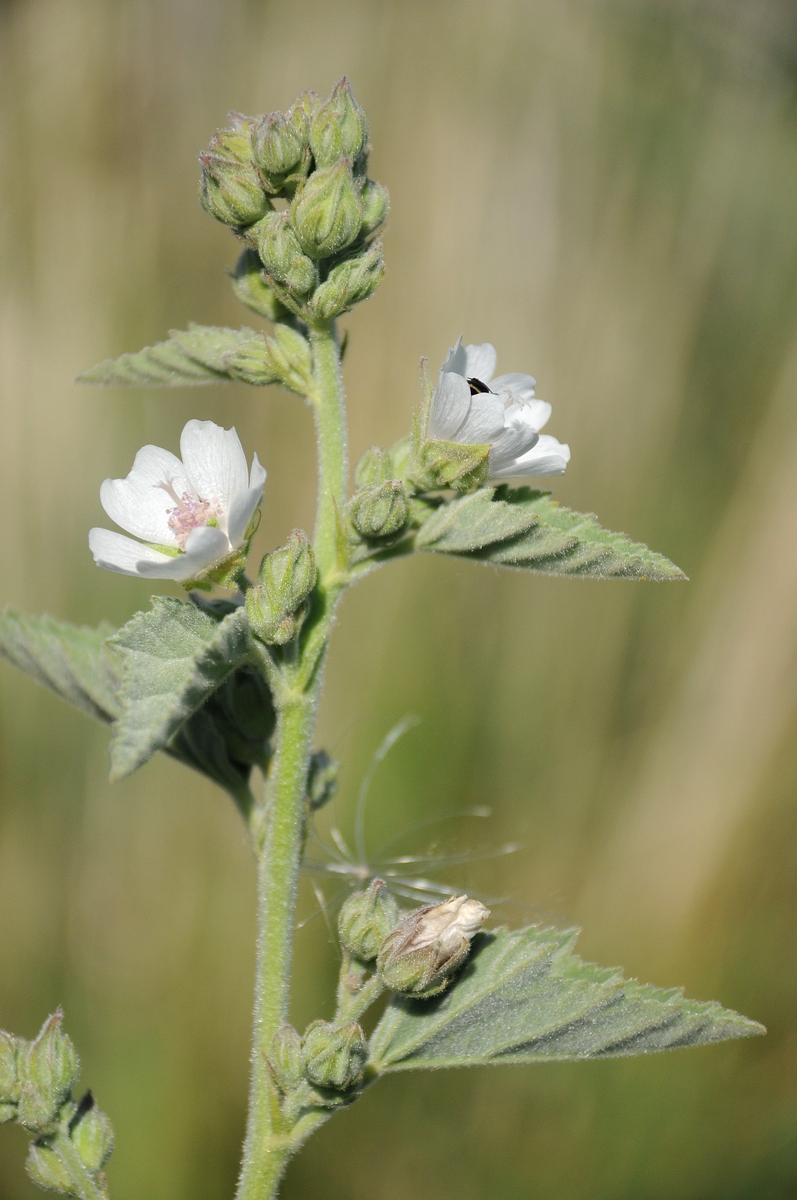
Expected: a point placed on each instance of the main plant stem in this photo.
(278, 826)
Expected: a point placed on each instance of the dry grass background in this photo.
(608, 191)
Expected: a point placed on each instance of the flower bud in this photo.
(48, 1069)
(287, 577)
(278, 145)
(92, 1134)
(46, 1170)
(322, 780)
(290, 355)
(285, 1058)
(380, 511)
(9, 1076)
(348, 283)
(334, 1055)
(250, 287)
(375, 467)
(350, 120)
(375, 202)
(326, 139)
(229, 187)
(422, 953)
(250, 362)
(282, 255)
(366, 919)
(326, 214)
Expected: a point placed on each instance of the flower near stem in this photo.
(422, 953)
(190, 515)
(472, 407)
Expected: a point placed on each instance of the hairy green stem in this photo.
(84, 1185)
(278, 826)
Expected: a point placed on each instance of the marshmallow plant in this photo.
(230, 684)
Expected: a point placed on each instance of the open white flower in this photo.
(470, 406)
(198, 509)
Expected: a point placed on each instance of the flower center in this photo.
(188, 513)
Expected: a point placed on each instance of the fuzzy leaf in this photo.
(174, 658)
(70, 661)
(188, 358)
(523, 996)
(546, 537)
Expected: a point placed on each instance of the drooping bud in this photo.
(287, 577)
(48, 1069)
(376, 202)
(46, 1170)
(9, 1075)
(277, 147)
(322, 780)
(250, 287)
(229, 187)
(326, 214)
(334, 1055)
(282, 255)
(375, 467)
(421, 954)
(366, 919)
(348, 283)
(380, 511)
(92, 1134)
(350, 119)
(285, 1058)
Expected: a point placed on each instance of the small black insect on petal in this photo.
(476, 386)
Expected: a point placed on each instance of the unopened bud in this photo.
(285, 1058)
(334, 1056)
(375, 467)
(250, 362)
(366, 919)
(322, 779)
(92, 1134)
(326, 139)
(46, 1170)
(282, 255)
(9, 1076)
(287, 577)
(348, 283)
(350, 119)
(48, 1069)
(422, 953)
(375, 202)
(229, 187)
(381, 510)
(326, 214)
(283, 358)
(250, 287)
(277, 147)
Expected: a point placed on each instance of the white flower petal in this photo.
(518, 385)
(450, 406)
(480, 362)
(516, 440)
(204, 546)
(215, 461)
(116, 552)
(548, 457)
(485, 420)
(244, 505)
(139, 503)
(456, 360)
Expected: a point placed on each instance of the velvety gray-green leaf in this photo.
(69, 660)
(473, 522)
(173, 659)
(524, 996)
(190, 357)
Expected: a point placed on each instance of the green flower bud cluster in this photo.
(36, 1081)
(366, 919)
(277, 605)
(317, 254)
(380, 508)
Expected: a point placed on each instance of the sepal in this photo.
(439, 465)
(334, 1056)
(285, 1058)
(366, 919)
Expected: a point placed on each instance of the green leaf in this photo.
(546, 537)
(70, 661)
(195, 356)
(523, 996)
(173, 659)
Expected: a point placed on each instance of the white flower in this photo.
(470, 406)
(199, 509)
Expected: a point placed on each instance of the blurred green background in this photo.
(608, 192)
